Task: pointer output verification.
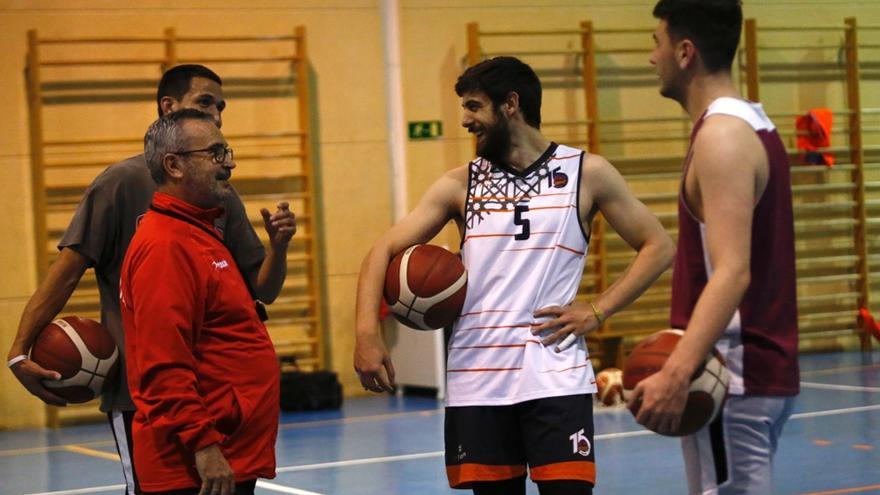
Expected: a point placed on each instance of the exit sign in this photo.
(429, 129)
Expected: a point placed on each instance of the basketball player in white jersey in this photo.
(519, 377)
(733, 283)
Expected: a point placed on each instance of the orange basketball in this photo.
(82, 351)
(709, 383)
(425, 287)
(610, 386)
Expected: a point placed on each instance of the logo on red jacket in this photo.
(220, 265)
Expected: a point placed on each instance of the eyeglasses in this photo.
(219, 154)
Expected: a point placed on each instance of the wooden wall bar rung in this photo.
(235, 39)
(85, 62)
(638, 30)
(803, 27)
(81, 41)
(561, 32)
(235, 60)
(640, 50)
(646, 120)
(266, 135)
(92, 142)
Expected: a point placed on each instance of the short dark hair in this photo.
(177, 80)
(713, 25)
(165, 136)
(497, 77)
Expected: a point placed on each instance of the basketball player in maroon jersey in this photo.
(734, 274)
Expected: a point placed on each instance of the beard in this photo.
(207, 190)
(495, 145)
(673, 87)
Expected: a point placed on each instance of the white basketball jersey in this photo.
(524, 249)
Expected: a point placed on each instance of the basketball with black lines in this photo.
(425, 287)
(82, 351)
(709, 382)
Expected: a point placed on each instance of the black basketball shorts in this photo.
(552, 436)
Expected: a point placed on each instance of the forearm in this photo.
(650, 262)
(270, 278)
(47, 301)
(712, 313)
(369, 290)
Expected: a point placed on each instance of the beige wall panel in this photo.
(13, 125)
(356, 202)
(16, 255)
(340, 324)
(18, 408)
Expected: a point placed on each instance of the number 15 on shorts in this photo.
(580, 444)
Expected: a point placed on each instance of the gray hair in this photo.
(165, 135)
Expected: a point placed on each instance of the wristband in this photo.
(600, 316)
(17, 359)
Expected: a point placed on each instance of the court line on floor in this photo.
(841, 491)
(283, 426)
(422, 455)
(77, 449)
(78, 491)
(359, 419)
(831, 386)
(275, 487)
(832, 412)
(831, 371)
(51, 448)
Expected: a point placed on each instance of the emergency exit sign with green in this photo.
(429, 129)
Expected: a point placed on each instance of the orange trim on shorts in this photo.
(572, 470)
(461, 474)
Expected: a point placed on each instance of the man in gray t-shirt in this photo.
(100, 232)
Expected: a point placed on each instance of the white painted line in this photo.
(94, 489)
(358, 462)
(283, 489)
(833, 412)
(848, 388)
(115, 488)
(624, 434)
(423, 455)
(832, 371)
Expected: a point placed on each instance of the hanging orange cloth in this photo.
(870, 325)
(813, 133)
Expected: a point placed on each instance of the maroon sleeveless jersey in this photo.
(760, 342)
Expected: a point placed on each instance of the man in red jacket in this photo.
(201, 368)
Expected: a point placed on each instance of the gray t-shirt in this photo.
(102, 228)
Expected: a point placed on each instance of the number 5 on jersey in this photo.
(524, 223)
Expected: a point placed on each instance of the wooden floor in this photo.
(393, 445)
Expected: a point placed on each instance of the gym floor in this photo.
(394, 445)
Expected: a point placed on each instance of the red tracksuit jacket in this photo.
(200, 364)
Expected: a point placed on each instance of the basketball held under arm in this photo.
(46, 302)
(443, 201)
